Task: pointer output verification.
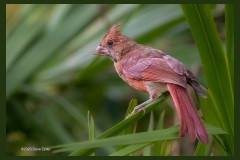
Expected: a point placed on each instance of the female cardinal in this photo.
(150, 70)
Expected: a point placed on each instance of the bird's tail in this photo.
(191, 123)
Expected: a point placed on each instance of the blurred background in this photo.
(54, 80)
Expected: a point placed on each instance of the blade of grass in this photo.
(56, 127)
(30, 120)
(209, 147)
(59, 13)
(157, 145)
(147, 150)
(91, 131)
(229, 25)
(129, 130)
(214, 65)
(136, 26)
(132, 104)
(41, 53)
(28, 29)
(118, 128)
(18, 19)
(88, 38)
(219, 145)
(143, 137)
(164, 146)
(130, 149)
(61, 102)
(91, 127)
(200, 150)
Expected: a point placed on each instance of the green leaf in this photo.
(118, 128)
(129, 130)
(131, 106)
(27, 30)
(164, 147)
(91, 130)
(200, 150)
(215, 67)
(40, 52)
(147, 150)
(143, 137)
(229, 17)
(130, 149)
(170, 133)
(158, 145)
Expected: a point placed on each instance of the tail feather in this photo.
(191, 80)
(191, 123)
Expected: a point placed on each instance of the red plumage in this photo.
(191, 123)
(150, 70)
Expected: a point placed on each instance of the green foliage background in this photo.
(53, 80)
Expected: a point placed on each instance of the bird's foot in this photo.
(137, 109)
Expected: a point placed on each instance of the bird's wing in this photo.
(164, 70)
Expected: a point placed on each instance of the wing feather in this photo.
(154, 69)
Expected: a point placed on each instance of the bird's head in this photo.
(114, 44)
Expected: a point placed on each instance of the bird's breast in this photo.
(137, 84)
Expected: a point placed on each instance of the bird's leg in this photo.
(141, 107)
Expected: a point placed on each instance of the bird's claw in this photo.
(136, 109)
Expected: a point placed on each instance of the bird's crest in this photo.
(113, 31)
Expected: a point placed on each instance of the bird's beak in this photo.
(100, 50)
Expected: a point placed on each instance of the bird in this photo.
(150, 70)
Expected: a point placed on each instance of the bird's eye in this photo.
(110, 42)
